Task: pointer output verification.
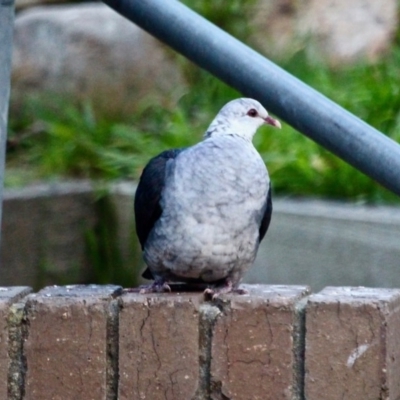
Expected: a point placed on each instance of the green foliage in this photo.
(75, 142)
(370, 91)
(63, 139)
(229, 16)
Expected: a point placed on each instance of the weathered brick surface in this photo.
(66, 345)
(353, 344)
(256, 351)
(159, 346)
(8, 296)
(74, 342)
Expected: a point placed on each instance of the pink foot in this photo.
(227, 287)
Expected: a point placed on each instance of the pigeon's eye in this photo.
(252, 113)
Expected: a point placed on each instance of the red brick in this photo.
(159, 346)
(10, 338)
(353, 344)
(66, 345)
(256, 346)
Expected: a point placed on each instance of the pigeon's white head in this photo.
(240, 117)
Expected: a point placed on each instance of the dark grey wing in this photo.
(148, 194)
(267, 216)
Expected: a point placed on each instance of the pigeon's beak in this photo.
(274, 122)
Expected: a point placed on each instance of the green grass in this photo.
(74, 142)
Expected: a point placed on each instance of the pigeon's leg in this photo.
(158, 286)
(226, 287)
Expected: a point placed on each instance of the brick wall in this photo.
(278, 342)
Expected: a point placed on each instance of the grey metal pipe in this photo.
(6, 31)
(252, 74)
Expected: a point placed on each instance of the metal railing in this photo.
(6, 31)
(239, 66)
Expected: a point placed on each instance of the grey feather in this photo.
(215, 203)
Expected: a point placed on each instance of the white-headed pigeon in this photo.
(201, 212)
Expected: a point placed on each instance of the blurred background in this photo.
(94, 98)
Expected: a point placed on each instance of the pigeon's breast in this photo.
(212, 205)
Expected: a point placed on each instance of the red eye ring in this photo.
(252, 113)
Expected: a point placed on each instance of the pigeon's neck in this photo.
(223, 126)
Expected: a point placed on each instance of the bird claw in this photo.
(210, 294)
(227, 287)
